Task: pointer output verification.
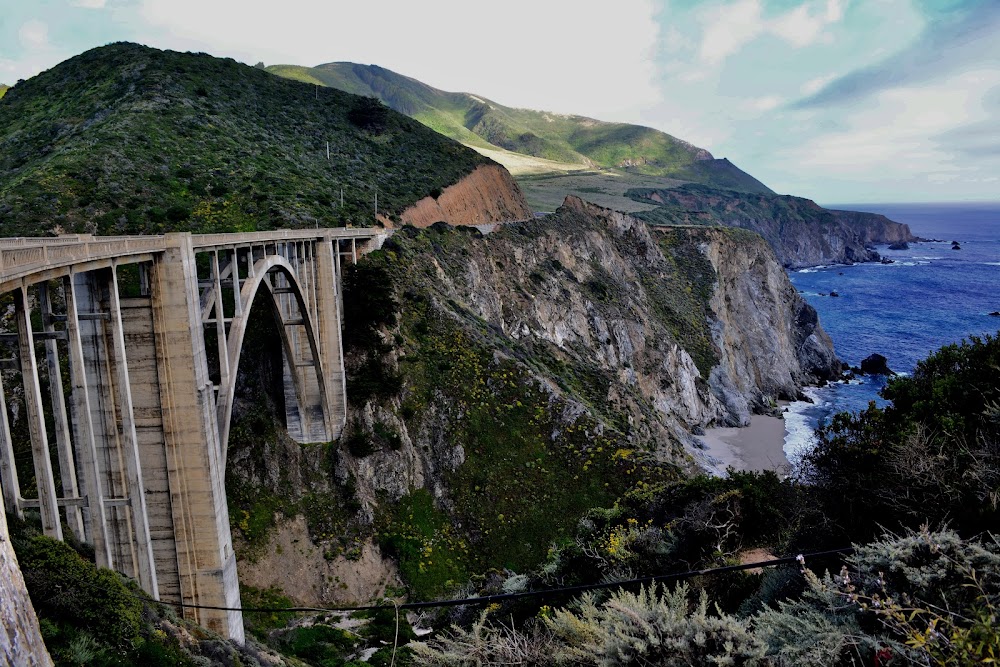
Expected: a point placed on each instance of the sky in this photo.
(841, 101)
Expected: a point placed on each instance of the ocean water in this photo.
(931, 296)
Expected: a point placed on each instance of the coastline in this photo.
(757, 447)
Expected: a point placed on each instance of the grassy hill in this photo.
(3, 89)
(129, 139)
(565, 142)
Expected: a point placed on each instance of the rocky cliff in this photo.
(487, 195)
(874, 227)
(20, 638)
(503, 385)
(801, 232)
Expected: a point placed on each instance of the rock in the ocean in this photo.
(876, 364)
(955, 245)
(995, 313)
(834, 294)
(886, 260)
(899, 245)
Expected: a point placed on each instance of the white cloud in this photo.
(594, 58)
(766, 103)
(813, 86)
(730, 27)
(799, 27)
(34, 35)
(89, 4)
(835, 10)
(897, 137)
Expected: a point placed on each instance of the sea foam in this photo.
(800, 436)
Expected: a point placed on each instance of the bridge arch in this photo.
(304, 370)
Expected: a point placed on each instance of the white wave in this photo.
(992, 263)
(927, 257)
(800, 434)
(806, 271)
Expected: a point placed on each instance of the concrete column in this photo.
(92, 298)
(86, 447)
(64, 445)
(327, 321)
(48, 505)
(8, 471)
(146, 573)
(220, 323)
(205, 558)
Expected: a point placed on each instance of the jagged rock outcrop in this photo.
(20, 639)
(769, 339)
(487, 195)
(603, 288)
(876, 364)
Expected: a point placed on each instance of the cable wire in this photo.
(547, 592)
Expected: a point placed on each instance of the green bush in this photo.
(65, 588)
(655, 627)
(320, 645)
(933, 455)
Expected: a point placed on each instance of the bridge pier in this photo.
(205, 561)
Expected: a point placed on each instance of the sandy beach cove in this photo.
(759, 446)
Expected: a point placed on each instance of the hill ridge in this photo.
(130, 139)
(576, 141)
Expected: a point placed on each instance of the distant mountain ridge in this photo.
(801, 232)
(573, 141)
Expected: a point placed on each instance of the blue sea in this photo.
(931, 296)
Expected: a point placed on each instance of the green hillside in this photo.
(129, 139)
(3, 89)
(570, 140)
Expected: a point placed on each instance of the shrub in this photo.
(486, 644)
(655, 626)
(369, 113)
(65, 588)
(927, 598)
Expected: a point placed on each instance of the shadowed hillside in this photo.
(129, 139)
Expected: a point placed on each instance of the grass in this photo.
(3, 90)
(129, 139)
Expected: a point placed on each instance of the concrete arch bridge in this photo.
(127, 350)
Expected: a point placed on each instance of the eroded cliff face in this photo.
(875, 227)
(487, 195)
(769, 339)
(615, 298)
(679, 327)
(20, 638)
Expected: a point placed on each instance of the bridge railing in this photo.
(22, 257)
(208, 241)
